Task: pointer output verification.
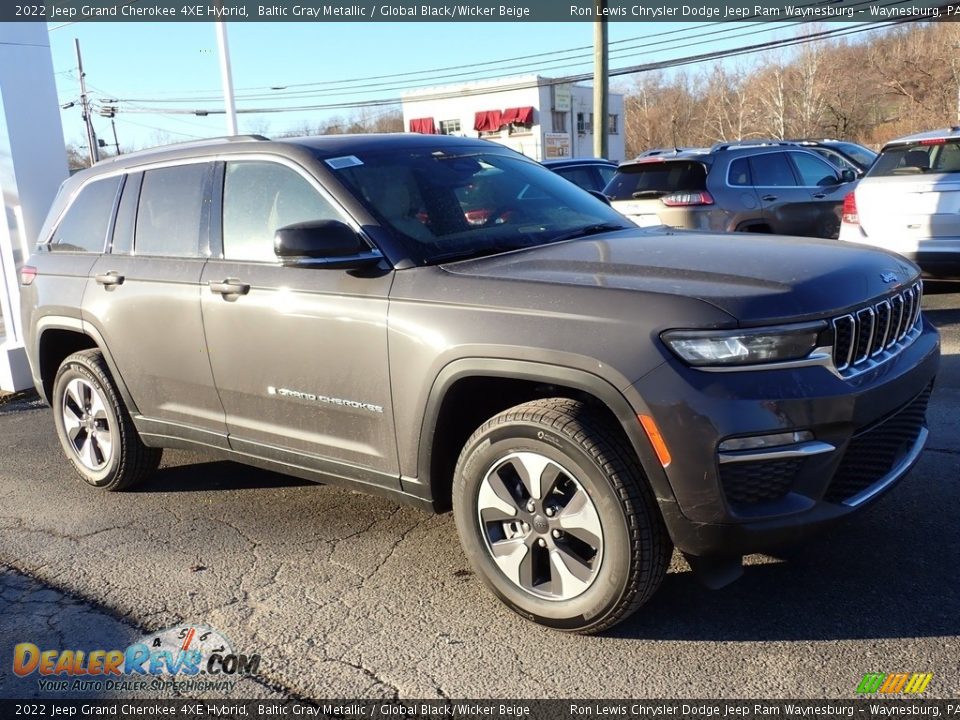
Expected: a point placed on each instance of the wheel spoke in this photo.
(530, 467)
(86, 452)
(97, 409)
(73, 398)
(104, 443)
(570, 577)
(494, 500)
(509, 554)
(71, 424)
(579, 518)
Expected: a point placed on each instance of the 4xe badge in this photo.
(182, 658)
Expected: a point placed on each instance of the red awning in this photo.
(425, 126)
(518, 116)
(487, 121)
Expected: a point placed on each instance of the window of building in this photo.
(449, 127)
(169, 215)
(84, 227)
(258, 199)
(613, 125)
(559, 122)
(584, 123)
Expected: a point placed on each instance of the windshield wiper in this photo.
(588, 230)
(648, 193)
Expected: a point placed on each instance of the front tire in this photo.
(94, 427)
(555, 515)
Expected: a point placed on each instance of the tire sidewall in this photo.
(605, 593)
(72, 369)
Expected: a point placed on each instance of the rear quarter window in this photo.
(84, 226)
(655, 179)
(917, 159)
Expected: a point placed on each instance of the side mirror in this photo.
(847, 175)
(323, 243)
(599, 196)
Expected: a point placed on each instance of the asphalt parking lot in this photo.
(345, 595)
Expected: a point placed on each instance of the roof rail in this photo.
(202, 142)
(759, 142)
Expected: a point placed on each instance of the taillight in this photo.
(850, 215)
(683, 199)
(27, 275)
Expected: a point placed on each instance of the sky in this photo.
(145, 63)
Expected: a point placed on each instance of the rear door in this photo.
(912, 195)
(825, 190)
(299, 354)
(787, 207)
(144, 299)
(638, 189)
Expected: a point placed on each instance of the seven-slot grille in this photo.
(879, 327)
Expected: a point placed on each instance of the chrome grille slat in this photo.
(874, 333)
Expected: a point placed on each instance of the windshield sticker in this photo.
(339, 163)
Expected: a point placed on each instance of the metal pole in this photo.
(226, 76)
(116, 143)
(91, 135)
(601, 80)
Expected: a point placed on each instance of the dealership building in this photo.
(543, 118)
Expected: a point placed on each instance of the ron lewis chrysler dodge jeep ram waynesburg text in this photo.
(448, 323)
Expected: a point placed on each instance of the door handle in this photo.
(230, 286)
(819, 196)
(110, 278)
(769, 198)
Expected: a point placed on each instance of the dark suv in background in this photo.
(783, 189)
(445, 322)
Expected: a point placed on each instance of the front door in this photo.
(299, 354)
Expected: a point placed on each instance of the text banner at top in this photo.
(863, 11)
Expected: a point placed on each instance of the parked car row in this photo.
(905, 199)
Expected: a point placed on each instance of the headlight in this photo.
(744, 347)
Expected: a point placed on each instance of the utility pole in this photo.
(226, 77)
(91, 135)
(601, 80)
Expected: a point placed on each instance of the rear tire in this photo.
(94, 427)
(556, 516)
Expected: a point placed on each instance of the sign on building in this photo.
(556, 145)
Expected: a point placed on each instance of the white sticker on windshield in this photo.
(339, 163)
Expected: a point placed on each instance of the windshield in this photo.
(860, 154)
(455, 205)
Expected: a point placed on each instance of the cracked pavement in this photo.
(345, 595)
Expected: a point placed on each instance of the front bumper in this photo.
(868, 431)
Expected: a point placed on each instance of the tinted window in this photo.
(126, 216)
(656, 178)
(606, 175)
(918, 159)
(835, 158)
(84, 227)
(864, 156)
(813, 171)
(740, 172)
(169, 214)
(259, 198)
(772, 170)
(582, 176)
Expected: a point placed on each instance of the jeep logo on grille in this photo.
(888, 277)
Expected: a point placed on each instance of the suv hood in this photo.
(755, 278)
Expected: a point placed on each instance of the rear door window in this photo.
(169, 215)
(772, 170)
(656, 179)
(84, 227)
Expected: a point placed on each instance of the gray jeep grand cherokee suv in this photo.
(447, 323)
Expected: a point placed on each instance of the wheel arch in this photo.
(60, 337)
(469, 391)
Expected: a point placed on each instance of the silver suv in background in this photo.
(909, 201)
(782, 189)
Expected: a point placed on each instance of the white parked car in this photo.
(909, 202)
